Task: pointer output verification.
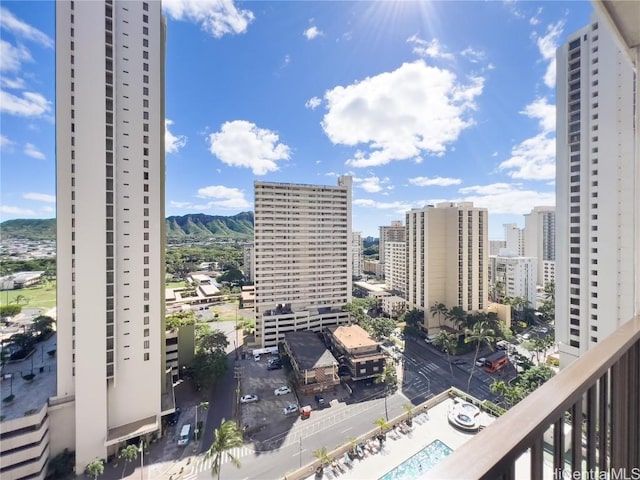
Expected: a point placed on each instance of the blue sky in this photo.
(420, 102)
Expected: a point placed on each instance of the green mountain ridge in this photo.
(190, 227)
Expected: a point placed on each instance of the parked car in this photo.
(281, 391)
(480, 362)
(320, 400)
(526, 336)
(274, 364)
(248, 398)
(291, 408)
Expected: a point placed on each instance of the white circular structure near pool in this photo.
(464, 415)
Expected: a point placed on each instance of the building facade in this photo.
(110, 221)
(540, 237)
(513, 276)
(391, 233)
(514, 238)
(247, 266)
(596, 190)
(548, 272)
(447, 258)
(356, 253)
(395, 267)
(302, 257)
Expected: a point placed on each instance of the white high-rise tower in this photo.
(110, 223)
(595, 188)
(540, 237)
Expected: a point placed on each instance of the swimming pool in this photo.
(422, 461)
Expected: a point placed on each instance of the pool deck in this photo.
(394, 452)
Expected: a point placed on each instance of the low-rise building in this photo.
(393, 305)
(315, 368)
(357, 352)
(180, 348)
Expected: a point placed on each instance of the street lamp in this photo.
(203, 405)
(141, 450)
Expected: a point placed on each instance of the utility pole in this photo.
(141, 449)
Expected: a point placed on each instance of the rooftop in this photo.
(308, 350)
(353, 336)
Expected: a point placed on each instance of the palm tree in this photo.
(226, 437)
(21, 299)
(389, 378)
(481, 333)
(439, 309)
(409, 409)
(447, 342)
(95, 469)
(129, 454)
(499, 388)
(322, 455)
(383, 424)
(458, 316)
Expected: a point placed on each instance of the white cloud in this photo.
(242, 144)
(30, 105)
(10, 210)
(19, 28)
(6, 143)
(436, 181)
(313, 103)
(172, 143)
(535, 157)
(535, 20)
(219, 197)
(400, 115)
(504, 198)
(12, 57)
(224, 196)
(32, 151)
(432, 49)
(548, 44)
(14, 83)
(473, 55)
(40, 197)
(216, 17)
(312, 32)
(400, 207)
(371, 184)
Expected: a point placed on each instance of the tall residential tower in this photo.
(302, 257)
(540, 238)
(110, 224)
(595, 188)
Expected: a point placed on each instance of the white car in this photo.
(291, 408)
(480, 362)
(248, 398)
(526, 336)
(281, 391)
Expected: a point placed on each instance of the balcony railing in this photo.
(583, 423)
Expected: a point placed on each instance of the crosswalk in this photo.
(203, 464)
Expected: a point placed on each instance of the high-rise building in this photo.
(495, 246)
(514, 238)
(302, 257)
(391, 233)
(247, 268)
(356, 253)
(595, 190)
(110, 222)
(540, 237)
(513, 276)
(447, 258)
(395, 267)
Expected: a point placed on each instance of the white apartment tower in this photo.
(302, 257)
(110, 224)
(540, 237)
(514, 238)
(356, 253)
(596, 182)
(447, 258)
(395, 267)
(391, 233)
(515, 275)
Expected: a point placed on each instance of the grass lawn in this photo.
(174, 285)
(40, 296)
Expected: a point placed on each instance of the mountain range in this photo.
(190, 227)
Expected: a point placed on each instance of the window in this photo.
(145, 42)
(146, 356)
(146, 344)
(146, 332)
(145, 6)
(145, 30)
(145, 55)
(145, 79)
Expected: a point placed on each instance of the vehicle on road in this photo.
(291, 408)
(249, 398)
(480, 362)
(502, 345)
(526, 336)
(320, 400)
(281, 391)
(496, 362)
(185, 435)
(274, 364)
(459, 361)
